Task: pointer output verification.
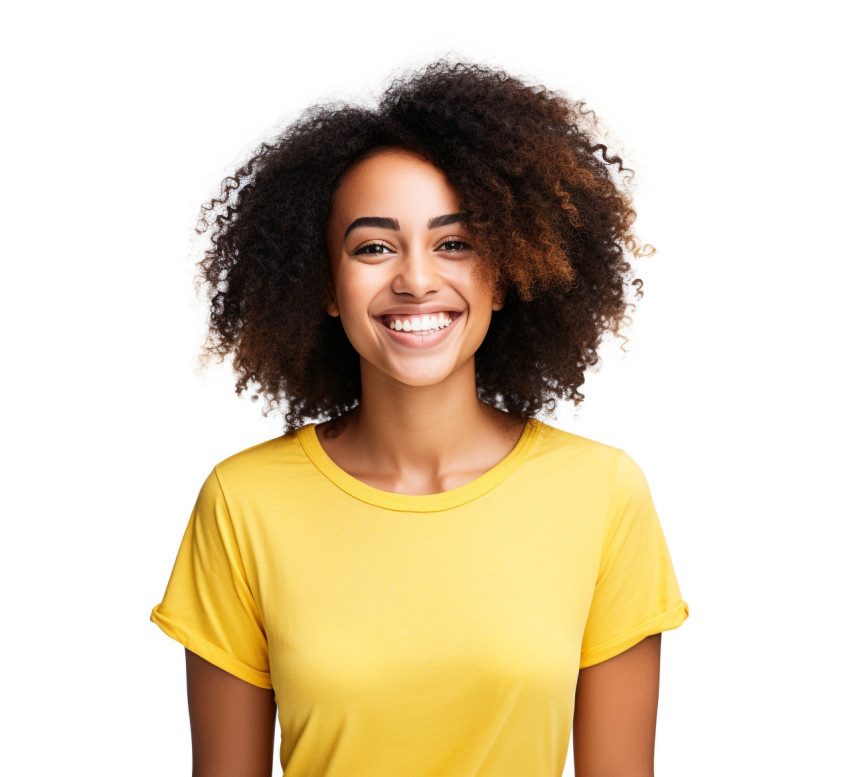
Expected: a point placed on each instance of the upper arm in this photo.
(232, 722)
(615, 713)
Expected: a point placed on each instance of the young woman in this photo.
(431, 581)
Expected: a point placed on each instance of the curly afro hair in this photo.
(546, 206)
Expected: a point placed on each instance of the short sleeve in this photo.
(636, 592)
(208, 606)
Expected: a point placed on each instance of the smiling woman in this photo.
(422, 576)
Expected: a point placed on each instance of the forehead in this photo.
(396, 184)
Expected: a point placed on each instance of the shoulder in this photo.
(575, 450)
(262, 453)
(585, 461)
(266, 464)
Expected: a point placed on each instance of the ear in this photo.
(331, 308)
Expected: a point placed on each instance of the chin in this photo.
(418, 372)
(419, 378)
(421, 381)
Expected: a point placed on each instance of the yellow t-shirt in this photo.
(437, 635)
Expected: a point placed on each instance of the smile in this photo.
(421, 325)
(421, 331)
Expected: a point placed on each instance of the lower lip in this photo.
(413, 340)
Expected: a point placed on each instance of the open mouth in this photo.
(419, 325)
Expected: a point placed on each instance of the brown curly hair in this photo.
(546, 206)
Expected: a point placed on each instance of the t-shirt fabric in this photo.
(430, 636)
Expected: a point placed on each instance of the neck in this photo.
(424, 439)
(419, 427)
(421, 439)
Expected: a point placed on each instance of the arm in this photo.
(615, 712)
(232, 723)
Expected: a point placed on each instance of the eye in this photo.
(372, 249)
(454, 244)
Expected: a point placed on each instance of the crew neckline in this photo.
(419, 503)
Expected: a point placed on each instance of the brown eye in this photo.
(374, 249)
(455, 245)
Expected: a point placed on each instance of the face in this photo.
(407, 283)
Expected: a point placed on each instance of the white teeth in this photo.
(421, 324)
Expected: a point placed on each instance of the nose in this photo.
(418, 274)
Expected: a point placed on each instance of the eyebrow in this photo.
(386, 223)
(444, 221)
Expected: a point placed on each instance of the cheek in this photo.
(348, 295)
(354, 294)
(482, 296)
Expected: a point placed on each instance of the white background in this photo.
(121, 118)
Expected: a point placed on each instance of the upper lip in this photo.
(416, 310)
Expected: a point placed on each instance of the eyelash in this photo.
(364, 249)
(463, 246)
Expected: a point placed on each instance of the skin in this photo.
(232, 723)
(616, 708)
(395, 247)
